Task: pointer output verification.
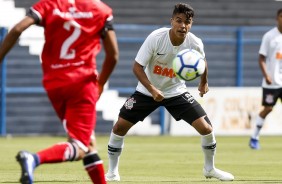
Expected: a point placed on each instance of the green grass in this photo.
(155, 160)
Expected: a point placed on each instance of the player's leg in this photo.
(56, 153)
(60, 152)
(187, 108)
(269, 99)
(81, 115)
(135, 109)
(115, 147)
(203, 126)
(254, 140)
(94, 165)
(207, 139)
(28, 163)
(75, 105)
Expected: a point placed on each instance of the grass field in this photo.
(155, 160)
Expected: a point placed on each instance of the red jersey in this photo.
(72, 30)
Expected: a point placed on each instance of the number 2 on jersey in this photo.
(66, 52)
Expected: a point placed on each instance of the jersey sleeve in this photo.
(146, 50)
(33, 15)
(109, 25)
(264, 45)
(197, 44)
(109, 19)
(39, 10)
(201, 48)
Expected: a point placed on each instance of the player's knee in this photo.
(267, 109)
(121, 127)
(78, 152)
(82, 153)
(117, 129)
(203, 125)
(206, 130)
(91, 148)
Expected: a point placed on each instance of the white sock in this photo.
(115, 146)
(259, 125)
(209, 147)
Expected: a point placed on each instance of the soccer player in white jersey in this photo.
(270, 62)
(158, 86)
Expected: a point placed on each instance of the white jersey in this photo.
(156, 55)
(271, 48)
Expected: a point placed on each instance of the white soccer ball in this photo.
(189, 64)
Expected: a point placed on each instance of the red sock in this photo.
(57, 153)
(94, 166)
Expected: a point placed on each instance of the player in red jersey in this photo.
(73, 30)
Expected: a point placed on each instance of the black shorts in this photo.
(138, 106)
(270, 96)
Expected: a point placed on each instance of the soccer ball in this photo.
(188, 64)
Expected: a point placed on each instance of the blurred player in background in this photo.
(73, 29)
(270, 62)
(158, 86)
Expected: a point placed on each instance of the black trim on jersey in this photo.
(108, 26)
(33, 15)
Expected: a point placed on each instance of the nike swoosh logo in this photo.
(159, 54)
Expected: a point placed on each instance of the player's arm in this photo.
(138, 70)
(203, 85)
(13, 35)
(110, 44)
(262, 64)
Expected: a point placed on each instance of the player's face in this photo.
(181, 25)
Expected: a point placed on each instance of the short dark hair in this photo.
(279, 11)
(183, 8)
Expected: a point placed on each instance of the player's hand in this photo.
(203, 88)
(157, 95)
(268, 79)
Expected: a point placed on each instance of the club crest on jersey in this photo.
(129, 103)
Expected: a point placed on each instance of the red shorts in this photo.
(76, 105)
